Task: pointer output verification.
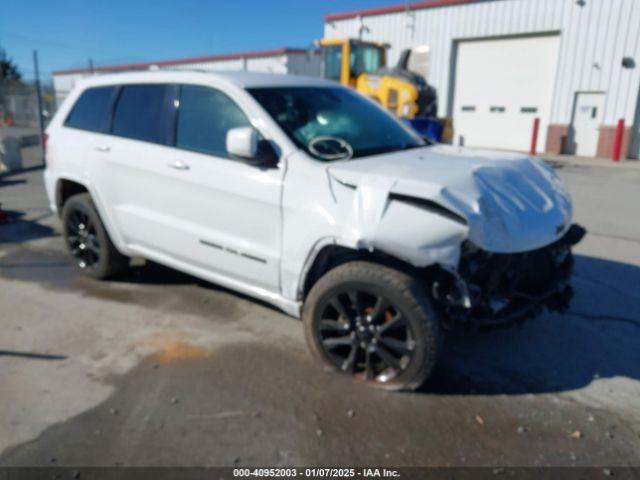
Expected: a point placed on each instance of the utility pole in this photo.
(39, 94)
(91, 65)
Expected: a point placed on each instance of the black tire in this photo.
(88, 241)
(395, 309)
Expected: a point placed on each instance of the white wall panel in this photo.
(217, 66)
(63, 84)
(304, 64)
(276, 64)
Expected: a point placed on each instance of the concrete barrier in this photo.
(10, 154)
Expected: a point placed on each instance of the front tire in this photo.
(88, 241)
(374, 323)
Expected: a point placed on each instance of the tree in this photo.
(9, 72)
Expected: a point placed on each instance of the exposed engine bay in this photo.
(491, 289)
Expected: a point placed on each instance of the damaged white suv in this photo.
(306, 195)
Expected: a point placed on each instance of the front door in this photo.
(228, 210)
(587, 119)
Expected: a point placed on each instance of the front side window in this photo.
(331, 123)
(205, 115)
(364, 59)
(92, 110)
(333, 62)
(142, 113)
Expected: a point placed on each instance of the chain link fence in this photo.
(19, 105)
(20, 142)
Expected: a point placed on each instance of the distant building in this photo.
(499, 64)
(284, 60)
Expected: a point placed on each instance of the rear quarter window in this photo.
(92, 109)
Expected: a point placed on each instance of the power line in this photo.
(58, 44)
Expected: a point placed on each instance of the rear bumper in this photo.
(50, 187)
(492, 290)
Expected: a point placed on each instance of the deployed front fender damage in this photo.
(495, 227)
(499, 231)
(377, 220)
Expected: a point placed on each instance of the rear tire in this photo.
(88, 241)
(374, 323)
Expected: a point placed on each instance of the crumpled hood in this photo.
(512, 202)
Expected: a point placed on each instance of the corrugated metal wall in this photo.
(270, 64)
(594, 39)
(220, 65)
(305, 64)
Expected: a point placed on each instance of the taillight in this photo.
(45, 137)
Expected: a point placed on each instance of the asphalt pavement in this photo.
(160, 368)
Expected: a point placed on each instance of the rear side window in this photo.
(143, 113)
(92, 110)
(205, 116)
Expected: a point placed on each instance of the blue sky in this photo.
(68, 33)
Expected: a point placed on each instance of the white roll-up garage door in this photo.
(501, 86)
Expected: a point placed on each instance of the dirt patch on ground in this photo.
(171, 349)
(253, 404)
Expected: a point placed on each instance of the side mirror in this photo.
(242, 142)
(245, 143)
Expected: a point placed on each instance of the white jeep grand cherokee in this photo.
(308, 196)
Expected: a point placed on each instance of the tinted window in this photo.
(142, 113)
(333, 62)
(91, 111)
(205, 116)
(364, 59)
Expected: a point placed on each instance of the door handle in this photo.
(179, 165)
(102, 148)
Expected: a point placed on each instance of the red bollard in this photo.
(617, 143)
(534, 136)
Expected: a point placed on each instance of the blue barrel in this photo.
(430, 128)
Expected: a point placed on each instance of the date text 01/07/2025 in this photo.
(315, 472)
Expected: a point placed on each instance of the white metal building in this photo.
(499, 64)
(283, 60)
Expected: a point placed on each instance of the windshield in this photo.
(333, 123)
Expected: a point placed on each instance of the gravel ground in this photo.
(160, 368)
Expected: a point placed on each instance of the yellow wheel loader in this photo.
(362, 65)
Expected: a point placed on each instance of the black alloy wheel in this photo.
(82, 239)
(87, 239)
(364, 335)
(374, 323)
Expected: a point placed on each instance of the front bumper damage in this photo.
(491, 290)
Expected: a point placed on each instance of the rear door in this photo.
(129, 171)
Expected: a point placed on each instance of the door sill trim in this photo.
(290, 307)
